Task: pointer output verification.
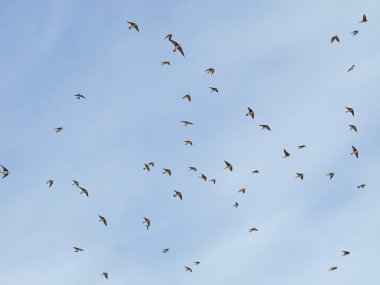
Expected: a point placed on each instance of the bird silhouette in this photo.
(210, 70)
(103, 220)
(4, 172)
(335, 38)
(133, 25)
(146, 222)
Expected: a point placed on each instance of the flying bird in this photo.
(192, 168)
(167, 171)
(210, 70)
(351, 68)
(255, 172)
(250, 113)
(330, 174)
(147, 223)
(236, 205)
(353, 128)
(354, 33)
(188, 269)
(103, 220)
(204, 177)
(299, 175)
(186, 123)
(253, 230)
(335, 38)
(213, 180)
(188, 142)
(79, 96)
(188, 97)
(165, 62)
(265, 127)
(345, 252)
(4, 172)
(83, 191)
(355, 152)
(228, 166)
(301, 146)
(364, 19)
(77, 249)
(165, 250)
(242, 190)
(196, 262)
(177, 194)
(133, 25)
(75, 183)
(361, 186)
(333, 268)
(105, 274)
(50, 182)
(57, 130)
(286, 154)
(214, 89)
(147, 166)
(177, 46)
(350, 110)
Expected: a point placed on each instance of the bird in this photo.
(188, 142)
(345, 252)
(79, 96)
(228, 166)
(213, 180)
(186, 123)
(355, 152)
(4, 172)
(147, 166)
(364, 19)
(335, 38)
(242, 190)
(354, 33)
(361, 186)
(165, 250)
(250, 113)
(333, 268)
(299, 175)
(255, 172)
(83, 191)
(133, 25)
(301, 146)
(103, 220)
(77, 249)
(351, 68)
(188, 269)
(353, 128)
(50, 182)
(286, 154)
(236, 205)
(192, 168)
(330, 174)
(196, 262)
(146, 222)
(177, 46)
(265, 127)
(167, 171)
(57, 130)
(210, 70)
(214, 89)
(105, 274)
(188, 97)
(204, 177)
(165, 62)
(253, 230)
(177, 194)
(350, 110)
(75, 183)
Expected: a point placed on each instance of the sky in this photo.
(274, 56)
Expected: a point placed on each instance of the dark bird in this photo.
(301, 146)
(133, 25)
(165, 250)
(75, 183)
(228, 166)
(213, 180)
(299, 175)
(50, 182)
(103, 220)
(364, 19)
(236, 205)
(255, 172)
(354, 33)
(204, 177)
(351, 68)
(147, 223)
(187, 96)
(350, 110)
(79, 96)
(242, 190)
(345, 252)
(188, 269)
(265, 127)
(333, 268)
(353, 128)
(186, 123)
(4, 172)
(147, 166)
(177, 46)
(250, 113)
(167, 171)
(330, 174)
(177, 194)
(83, 191)
(77, 249)
(192, 168)
(210, 70)
(286, 154)
(253, 230)
(188, 142)
(355, 152)
(105, 274)
(165, 62)
(361, 186)
(214, 89)
(196, 262)
(335, 38)
(57, 130)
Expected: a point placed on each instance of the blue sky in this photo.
(274, 56)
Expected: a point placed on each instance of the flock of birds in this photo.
(250, 113)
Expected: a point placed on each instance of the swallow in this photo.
(330, 174)
(353, 128)
(75, 183)
(57, 130)
(236, 205)
(186, 123)
(177, 194)
(105, 274)
(242, 190)
(147, 166)
(188, 97)
(345, 252)
(177, 46)
(196, 262)
(4, 172)
(250, 113)
(165, 62)
(192, 168)
(351, 68)
(355, 152)
(165, 250)
(361, 186)
(133, 25)
(213, 180)
(228, 166)
(333, 268)
(299, 175)
(188, 269)
(83, 191)
(214, 89)
(265, 127)
(286, 154)
(354, 33)
(167, 171)
(77, 249)
(350, 110)
(188, 142)
(210, 70)
(301, 146)
(50, 182)
(253, 230)
(204, 177)
(147, 223)
(79, 96)
(103, 220)
(364, 19)
(255, 172)
(335, 38)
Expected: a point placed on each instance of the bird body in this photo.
(75, 183)
(57, 130)
(50, 182)
(188, 142)
(345, 252)
(213, 180)
(355, 152)
(79, 96)
(147, 223)
(188, 97)
(350, 110)
(83, 191)
(228, 166)
(165, 62)
(77, 249)
(351, 68)
(250, 113)
(214, 89)
(133, 25)
(253, 230)
(265, 127)
(177, 194)
(105, 274)
(236, 205)
(364, 19)
(103, 220)
(353, 128)
(299, 175)
(330, 174)
(286, 154)
(167, 171)
(210, 70)
(192, 168)
(188, 269)
(4, 172)
(335, 38)
(186, 123)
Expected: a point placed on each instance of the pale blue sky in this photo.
(274, 56)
